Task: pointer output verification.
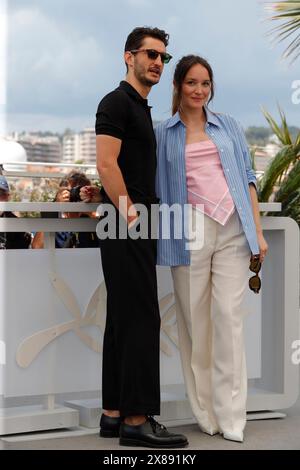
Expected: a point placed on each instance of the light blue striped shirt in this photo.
(171, 186)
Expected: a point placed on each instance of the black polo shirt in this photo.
(125, 114)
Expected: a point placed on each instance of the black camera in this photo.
(75, 194)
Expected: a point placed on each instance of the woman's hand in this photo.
(263, 246)
(63, 195)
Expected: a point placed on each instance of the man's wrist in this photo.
(131, 219)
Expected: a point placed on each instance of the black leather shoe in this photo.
(150, 434)
(109, 427)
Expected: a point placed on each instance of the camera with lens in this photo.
(75, 194)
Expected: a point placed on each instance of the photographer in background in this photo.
(75, 187)
(11, 240)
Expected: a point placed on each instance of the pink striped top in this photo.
(206, 182)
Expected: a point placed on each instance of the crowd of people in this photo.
(74, 187)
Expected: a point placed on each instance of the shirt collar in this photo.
(132, 91)
(211, 118)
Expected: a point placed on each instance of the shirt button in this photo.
(222, 150)
(233, 189)
(227, 169)
(212, 134)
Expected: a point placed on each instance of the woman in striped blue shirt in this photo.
(204, 164)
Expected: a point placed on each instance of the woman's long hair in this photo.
(182, 68)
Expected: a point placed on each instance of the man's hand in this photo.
(90, 194)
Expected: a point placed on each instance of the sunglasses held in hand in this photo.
(153, 54)
(254, 281)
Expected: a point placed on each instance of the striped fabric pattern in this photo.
(171, 187)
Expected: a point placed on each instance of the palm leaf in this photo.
(290, 184)
(285, 5)
(252, 155)
(291, 207)
(275, 127)
(276, 168)
(281, 165)
(289, 13)
(285, 129)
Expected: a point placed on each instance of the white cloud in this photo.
(172, 22)
(63, 56)
(139, 3)
(3, 50)
(53, 58)
(44, 122)
(3, 62)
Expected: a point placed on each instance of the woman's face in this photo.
(196, 88)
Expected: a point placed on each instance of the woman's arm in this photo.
(263, 246)
(38, 241)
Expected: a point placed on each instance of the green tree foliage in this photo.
(281, 180)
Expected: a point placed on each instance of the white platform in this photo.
(21, 419)
(175, 411)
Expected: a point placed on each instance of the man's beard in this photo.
(140, 75)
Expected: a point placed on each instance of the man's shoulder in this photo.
(117, 97)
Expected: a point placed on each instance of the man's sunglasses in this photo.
(254, 281)
(153, 54)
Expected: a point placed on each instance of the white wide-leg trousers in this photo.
(208, 295)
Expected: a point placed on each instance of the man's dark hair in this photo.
(136, 37)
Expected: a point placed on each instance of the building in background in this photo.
(71, 147)
(41, 149)
(88, 146)
(80, 147)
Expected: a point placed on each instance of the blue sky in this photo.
(64, 55)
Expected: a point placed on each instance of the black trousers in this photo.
(130, 371)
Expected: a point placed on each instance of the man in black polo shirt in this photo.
(126, 162)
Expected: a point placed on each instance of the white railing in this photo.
(20, 171)
(32, 224)
(44, 291)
